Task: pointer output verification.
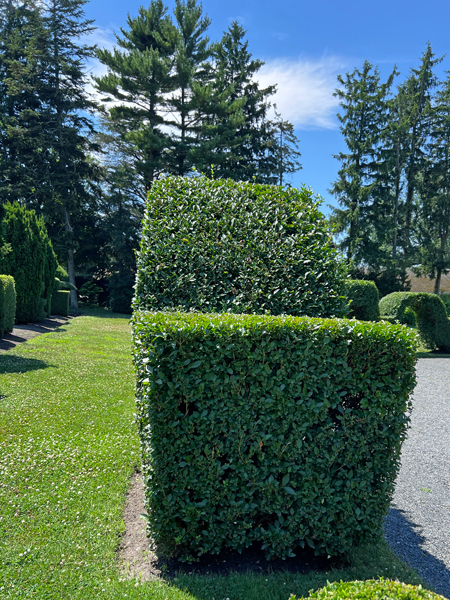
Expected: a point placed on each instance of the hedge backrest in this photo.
(282, 431)
(224, 246)
(7, 304)
(60, 302)
(433, 324)
(364, 299)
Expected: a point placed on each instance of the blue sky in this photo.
(305, 45)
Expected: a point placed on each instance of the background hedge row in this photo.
(31, 261)
(223, 246)
(279, 430)
(433, 324)
(7, 304)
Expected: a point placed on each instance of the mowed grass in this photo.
(68, 447)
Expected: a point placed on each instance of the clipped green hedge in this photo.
(226, 246)
(380, 589)
(433, 324)
(364, 299)
(279, 430)
(60, 302)
(31, 261)
(7, 304)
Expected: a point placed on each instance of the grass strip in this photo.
(68, 447)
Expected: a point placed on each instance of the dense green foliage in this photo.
(60, 302)
(364, 299)
(431, 317)
(7, 304)
(31, 261)
(281, 430)
(372, 590)
(69, 453)
(225, 246)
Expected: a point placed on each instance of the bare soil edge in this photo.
(138, 561)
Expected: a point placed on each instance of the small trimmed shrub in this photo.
(7, 304)
(226, 246)
(364, 299)
(433, 325)
(60, 302)
(282, 431)
(64, 285)
(372, 590)
(61, 273)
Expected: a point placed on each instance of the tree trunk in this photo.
(70, 261)
(437, 283)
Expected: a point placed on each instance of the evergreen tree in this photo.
(285, 148)
(71, 171)
(22, 148)
(191, 73)
(434, 193)
(236, 137)
(139, 79)
(364, 118)
(415, 97)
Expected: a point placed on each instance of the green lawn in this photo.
(68, 447)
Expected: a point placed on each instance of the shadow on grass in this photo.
(406, 541)
(102, 313)
(432, 354)
(17, 364)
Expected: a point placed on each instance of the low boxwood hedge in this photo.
(432, 321)
(283, 431)
(60, 302)
(227, 246)
(7, 303)
(372, 590)
(364, 298)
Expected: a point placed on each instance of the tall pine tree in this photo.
(140, 77)
(363, 99)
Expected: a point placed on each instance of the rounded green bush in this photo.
(372, 590)
(433, 324)
(226, 246)
(364, 299)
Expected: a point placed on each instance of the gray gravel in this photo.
(418, 524)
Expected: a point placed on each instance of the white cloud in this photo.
(304, 89)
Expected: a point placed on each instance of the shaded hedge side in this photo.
(60, 302)
(224, 246)
(7, 304)
(278, 430)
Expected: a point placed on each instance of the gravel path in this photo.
(418, 525)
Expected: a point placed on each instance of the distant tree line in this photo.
(393, 186)
(171, 102)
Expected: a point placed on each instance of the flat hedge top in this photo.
(221, 245)
(195, 325)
